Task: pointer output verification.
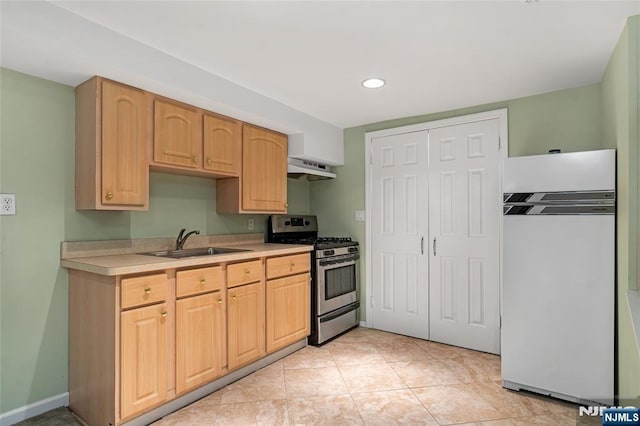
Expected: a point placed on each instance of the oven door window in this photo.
(339, 281)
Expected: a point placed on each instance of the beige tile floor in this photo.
(369, 377)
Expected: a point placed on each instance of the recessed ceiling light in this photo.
(373, 83)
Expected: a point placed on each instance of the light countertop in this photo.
(126, 262)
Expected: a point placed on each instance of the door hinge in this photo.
(500, 322)
(371, 302)
(499, 143)
(371, 155)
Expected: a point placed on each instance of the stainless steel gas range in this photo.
(335, 274)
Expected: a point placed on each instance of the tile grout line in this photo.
(347, 388)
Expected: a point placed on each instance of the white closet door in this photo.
(399, 270)
(464, 227)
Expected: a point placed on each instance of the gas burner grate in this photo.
(333, 240)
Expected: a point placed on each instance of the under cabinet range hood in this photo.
(312, 154)
(303, 169)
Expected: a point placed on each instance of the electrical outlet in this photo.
(250, 224)
(358, 216)
(7, 204)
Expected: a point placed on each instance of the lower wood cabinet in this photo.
(200, 340)
(288, 316)
(288, 300)
(138, 341)
(244, 273)
(245, 324)
(143, 358)
(282, 266)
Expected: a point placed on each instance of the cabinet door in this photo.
(288, 316)
(245, 324)
(177, 135)
(222, 145)
(124, 154)
(264, 170)
(199, 340)
(143, 358)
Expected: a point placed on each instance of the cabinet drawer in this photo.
(287, 265)
(244, 273)
(195, 281)
(143, 290)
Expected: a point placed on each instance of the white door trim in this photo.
(500, 114)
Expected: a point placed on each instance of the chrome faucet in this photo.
(182, 237)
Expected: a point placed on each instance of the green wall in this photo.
(37, 164)
(36, 125)
(620, 98)
(190, 202)
(567, 119)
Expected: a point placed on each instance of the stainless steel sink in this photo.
(194, 252)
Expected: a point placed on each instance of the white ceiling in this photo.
(435, 56)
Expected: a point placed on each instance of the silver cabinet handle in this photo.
(434, 246)
(422, 245)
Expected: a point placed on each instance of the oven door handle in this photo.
(338, 261)
(339, 312)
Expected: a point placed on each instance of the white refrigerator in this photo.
(558, 293)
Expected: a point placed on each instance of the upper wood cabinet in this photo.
(221, 144)
(262, 186)
(111, 155)
(189, 140)
(122, 132)
(264, 172)
(177, 134)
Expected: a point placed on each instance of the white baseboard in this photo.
(363, 324)
(31, 410)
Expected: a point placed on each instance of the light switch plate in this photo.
(250, 224)
(7, 204)
(359, 215)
